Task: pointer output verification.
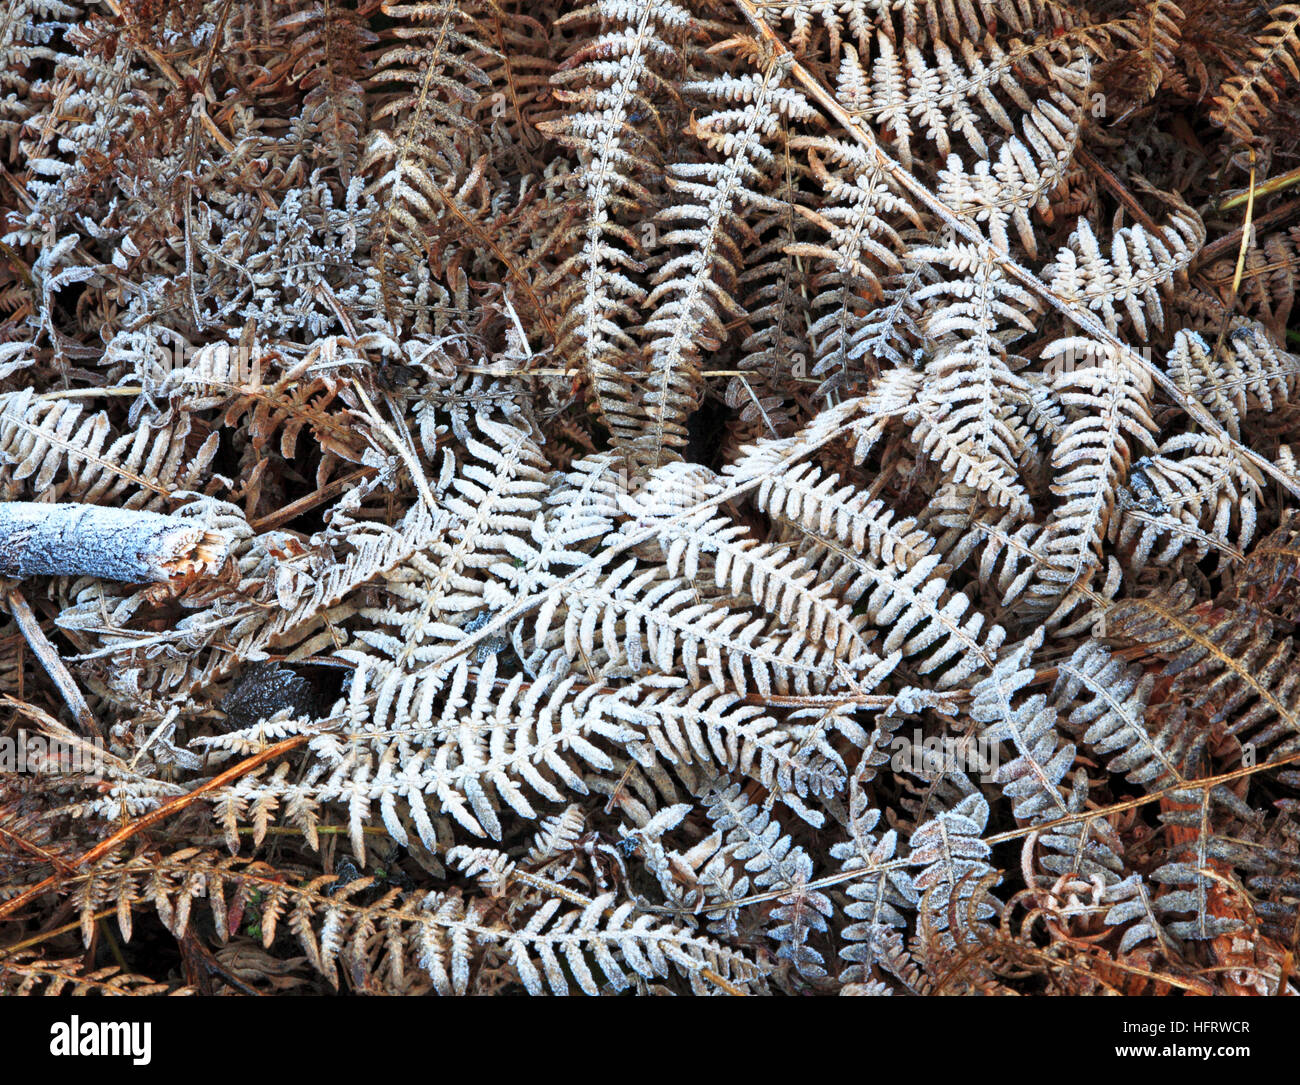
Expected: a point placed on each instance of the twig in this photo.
(1229, 241)
(53, 664)
(317, 497)
(1245, 228)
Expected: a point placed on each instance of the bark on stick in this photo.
(90, 540)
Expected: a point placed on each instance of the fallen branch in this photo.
(90, 540)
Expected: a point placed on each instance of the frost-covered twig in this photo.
(89, 540)
(51, 661)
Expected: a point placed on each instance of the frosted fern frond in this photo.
(704, 546)
(694, 283)
(54, 449)
(755, 839)
(717, 729)
(1108, 714)
(492, 503)
(625, 948)
(1251, 373)
(950, 92)
(636, 617)
(1128, 281)
(1196, 491)
(860, 214)
(451, 744)
(879, 899)
(1109, 405)
(953, 858)
(618, 96)
(967, 414)
(417, 157)
(1034, 780)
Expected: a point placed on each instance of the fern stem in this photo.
(1275, 184)
(45, 936)
(163, 812)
